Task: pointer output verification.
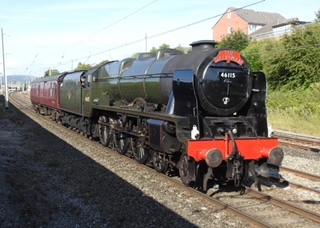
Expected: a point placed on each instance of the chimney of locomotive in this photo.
(203, 45)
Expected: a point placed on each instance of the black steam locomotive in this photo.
(202, 113)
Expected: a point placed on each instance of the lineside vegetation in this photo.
(292, 66)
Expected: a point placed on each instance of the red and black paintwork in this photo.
(45, 95)
(202, 113)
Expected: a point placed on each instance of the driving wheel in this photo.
(184, 171)
(159, 163)
(104, 132)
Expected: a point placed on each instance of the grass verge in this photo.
(296, 111)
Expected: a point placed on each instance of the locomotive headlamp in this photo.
(214, 158)
(276, 156)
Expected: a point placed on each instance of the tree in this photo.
(293, 61)
(235, 41)
(51, 72)
(253, 55)
(163, 46)
(183, 49)
(317, 16)
(303, 51)
(102, 62)
(82, 66)
(274, 64)
(135, 55)
(153, 50)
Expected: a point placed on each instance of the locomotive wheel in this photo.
(123, 150)
(120, 143)
(128, 146)
(184, 171)
(158, 163)
(141, 154)
(104, 133)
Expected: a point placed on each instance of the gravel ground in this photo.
(49, 179)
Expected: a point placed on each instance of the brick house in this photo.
(245, 20)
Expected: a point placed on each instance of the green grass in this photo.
(287, 120)
(296, 111)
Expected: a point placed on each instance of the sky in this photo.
(40, 35)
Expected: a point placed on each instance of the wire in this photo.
(33, 61)
(112, 24)
(203, 20)
(163, 33)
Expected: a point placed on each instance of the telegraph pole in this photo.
(4, 73)
(146, 42)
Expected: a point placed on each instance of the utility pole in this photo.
(146, 42)
(4, 73)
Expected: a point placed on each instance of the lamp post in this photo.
(4, 73)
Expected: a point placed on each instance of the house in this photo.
(246, 20)
(277, 29)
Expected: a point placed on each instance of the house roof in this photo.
(253, 17)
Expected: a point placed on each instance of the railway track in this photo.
(258, 208)
(255, 207)
(305, 176)
(298, 141)
(301, 174)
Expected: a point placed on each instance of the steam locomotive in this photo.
(202, 114)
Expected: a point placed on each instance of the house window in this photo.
(253, 27)
(229, 15)
(230, 30)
